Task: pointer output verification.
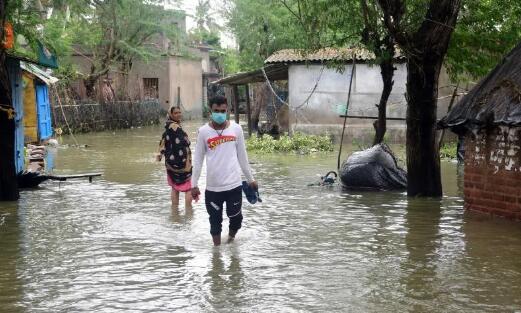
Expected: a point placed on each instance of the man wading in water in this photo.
(222, 143)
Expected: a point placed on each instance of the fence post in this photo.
(235, 92)
(248, 108)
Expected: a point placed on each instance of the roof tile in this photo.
(325, 54)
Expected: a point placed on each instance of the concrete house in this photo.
(317, 93)
(176, 77)
(489, 117)
(317, 90)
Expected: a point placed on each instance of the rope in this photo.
(64, 117)
(271, 88)
(298, 107)
(11, 113)
(305, 101)
(312, 91)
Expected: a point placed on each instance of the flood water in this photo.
(115, 245)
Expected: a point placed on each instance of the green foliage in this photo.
(261, 28)
(486, 30)
(207, 31)
(231, 61)
(25, 20)
(449, 150)
(298, 143)
(108, 33)
(203, 36)
(485, 33)
(67, 73)
(327, 23)
(204, 17)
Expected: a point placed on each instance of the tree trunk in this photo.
(90, 84)
(122, 85)
(384, 50)
(423, 161)
(8, 181)
(425, 49)
(387, 71)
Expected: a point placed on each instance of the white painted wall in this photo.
(319, 115)
(332, 90)
(188, 75)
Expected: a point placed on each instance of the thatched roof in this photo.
(496, 100)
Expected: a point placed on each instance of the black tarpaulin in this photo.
(374, 169)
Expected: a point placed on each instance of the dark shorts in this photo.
(214, 206)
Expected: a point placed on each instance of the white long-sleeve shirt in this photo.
(225, 157)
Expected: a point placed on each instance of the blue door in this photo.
(15, 78)
(44, 112)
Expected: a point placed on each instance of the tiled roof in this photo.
(326, 54)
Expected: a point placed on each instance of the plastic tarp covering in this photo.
(374, 169)
(496, 100)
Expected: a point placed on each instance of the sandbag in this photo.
(374, 168)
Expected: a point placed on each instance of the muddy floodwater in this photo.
(115, 245)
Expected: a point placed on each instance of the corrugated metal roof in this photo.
(38, 72)
(326, 54)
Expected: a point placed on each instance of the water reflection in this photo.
(50, 156)
(460, 176)
(182, 218)
(226, 279)
(422, 241)
(11, 286)
(492, 250)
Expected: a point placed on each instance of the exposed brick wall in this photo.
(493, 172)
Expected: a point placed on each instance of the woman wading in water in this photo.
(175, 147)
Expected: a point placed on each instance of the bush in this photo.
(449, 150)
(299, 143)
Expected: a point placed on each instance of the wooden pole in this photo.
(178, 104)
(442, 134)
(248, 108)
(347, 108)
(235, 93)
(373, 117)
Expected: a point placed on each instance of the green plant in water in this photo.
(449, 150)
(299, 143)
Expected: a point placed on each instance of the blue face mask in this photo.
(219, 118)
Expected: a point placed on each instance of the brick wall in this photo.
(493, 172)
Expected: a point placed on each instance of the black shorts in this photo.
(214, 206)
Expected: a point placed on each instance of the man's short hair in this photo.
(217, 100)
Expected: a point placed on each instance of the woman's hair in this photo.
(172, 108)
